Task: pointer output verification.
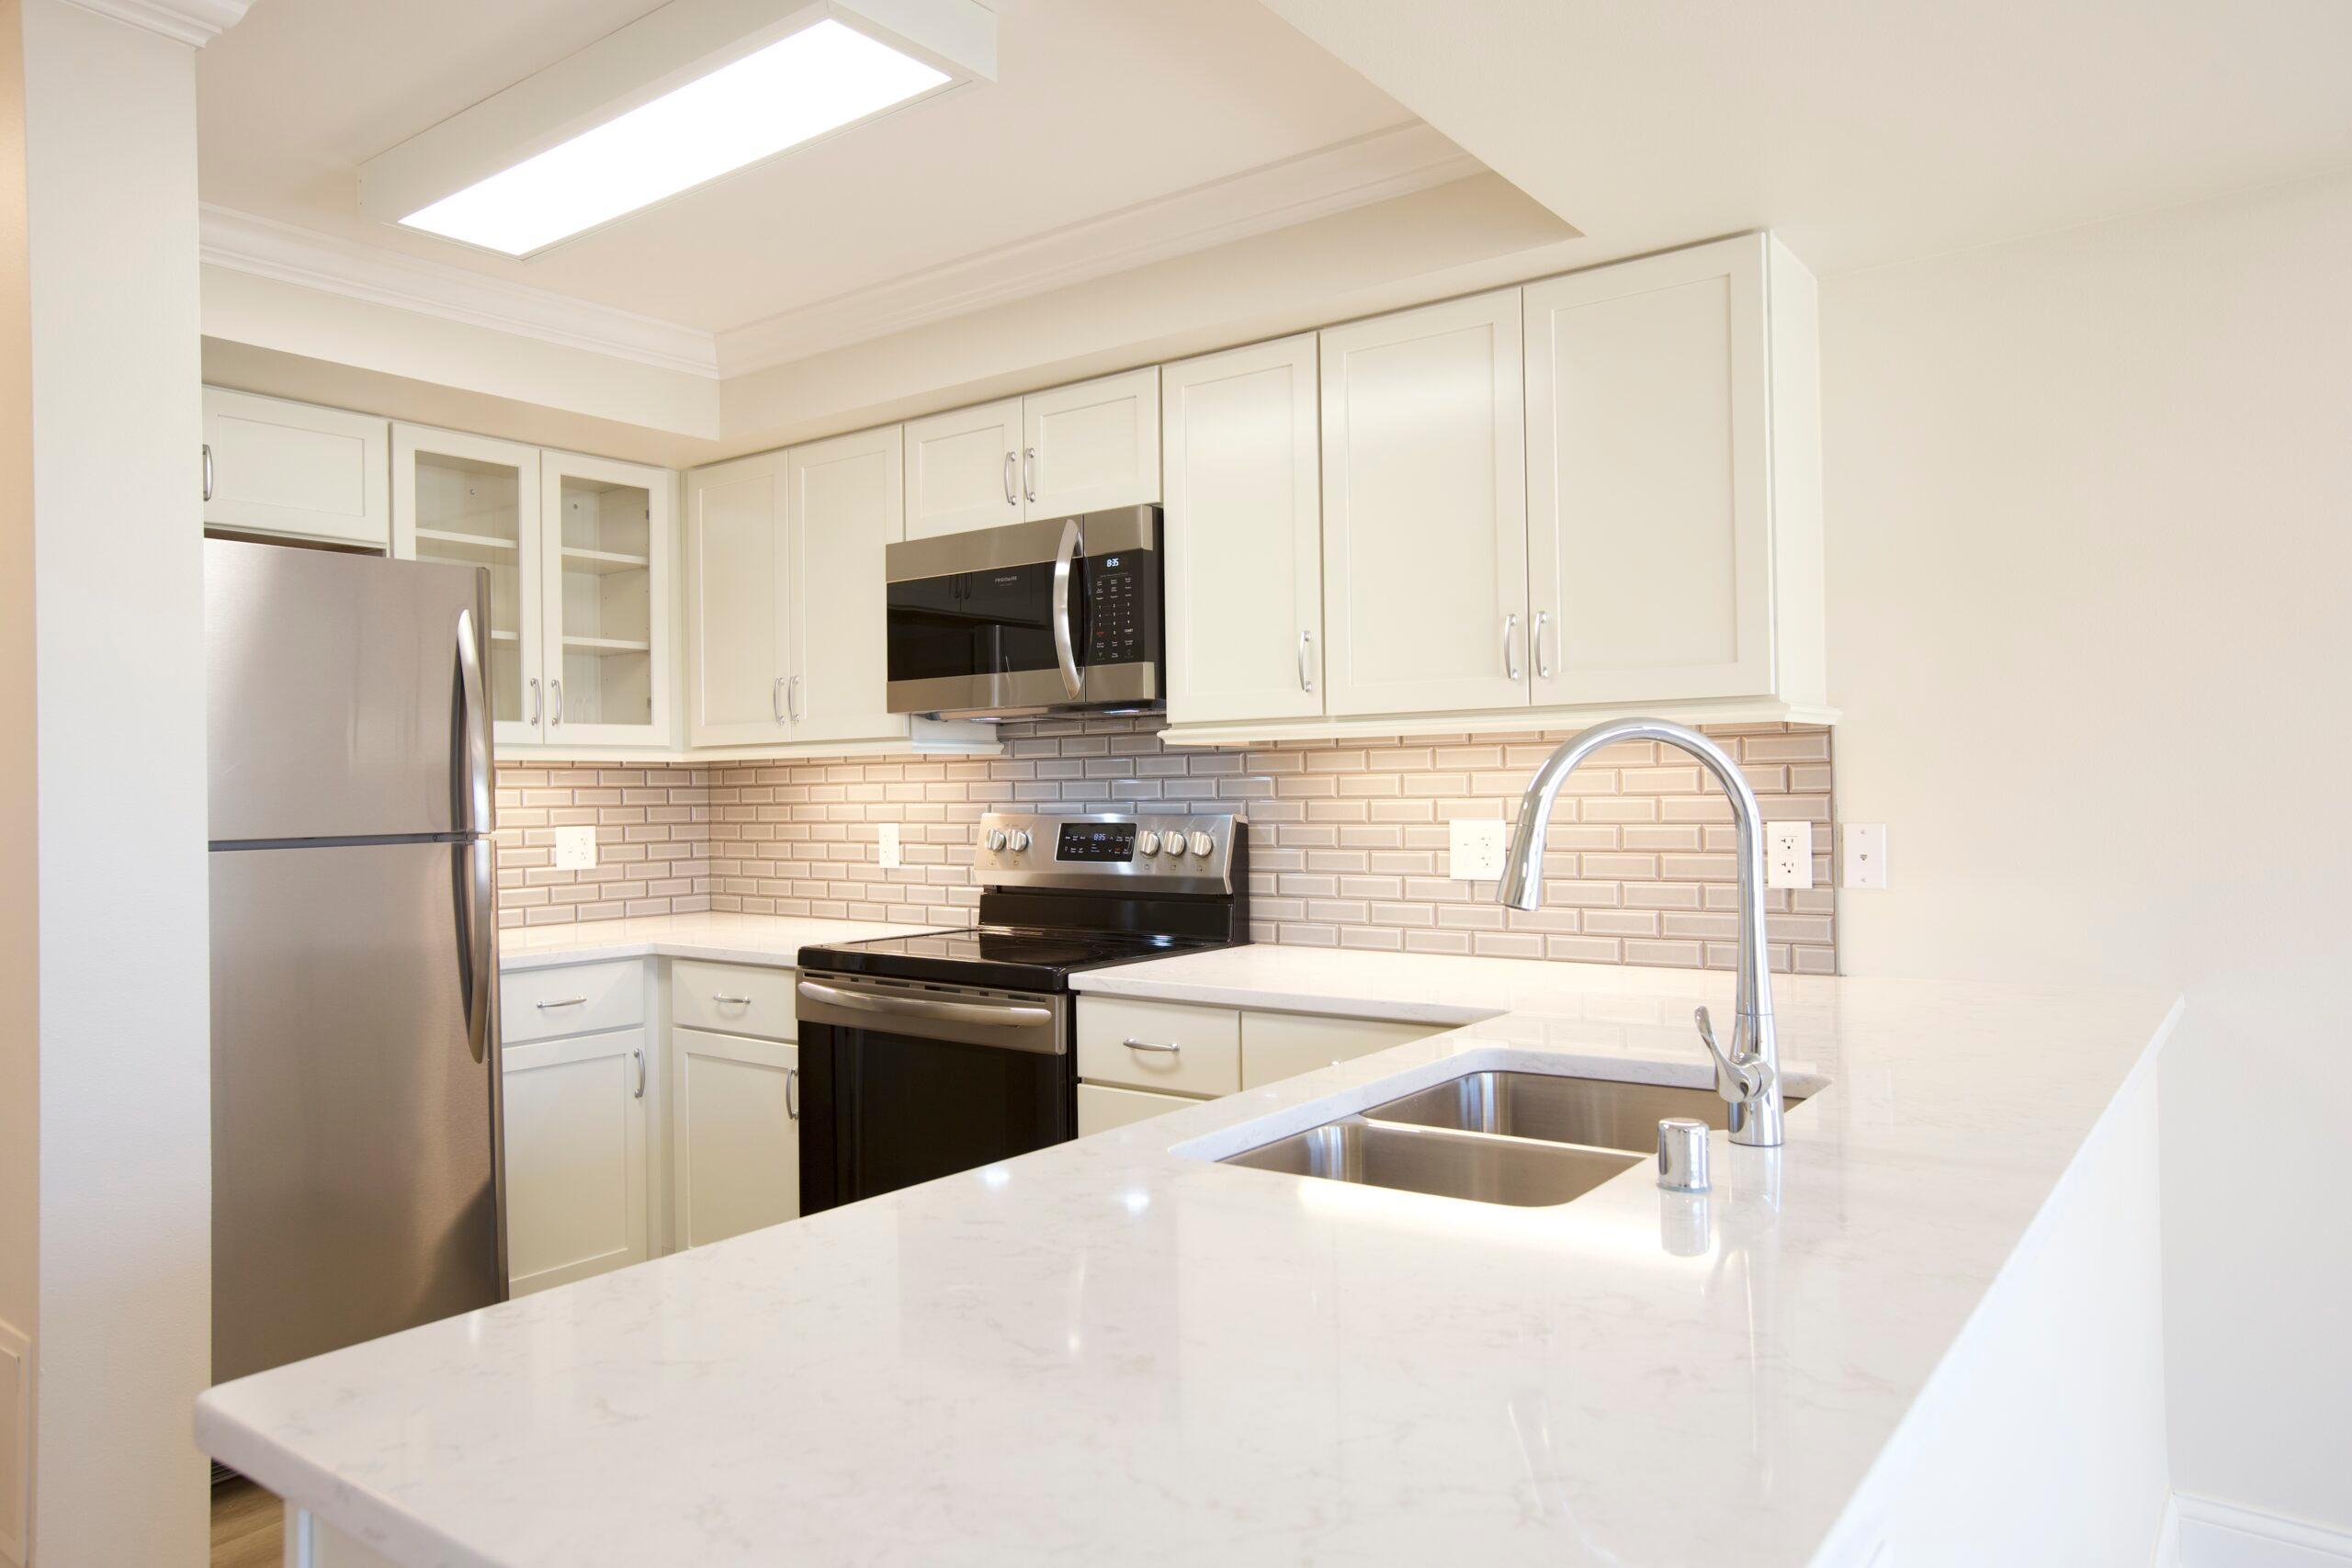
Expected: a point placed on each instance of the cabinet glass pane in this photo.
(468, 513)
(608, 602)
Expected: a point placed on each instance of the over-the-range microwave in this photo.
(1055, 617)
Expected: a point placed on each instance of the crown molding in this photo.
(1378, 166)
(265, 248)
(192, 22)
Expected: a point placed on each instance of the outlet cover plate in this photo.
(887, 847)
(1788, 854)
(1475, 849)
(575, 849)
(1864, 844)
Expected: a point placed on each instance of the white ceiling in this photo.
(1116, 128)
(1861, 132)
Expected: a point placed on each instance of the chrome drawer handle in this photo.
(1147, 1045)
(563, 1002)
(730, 1001)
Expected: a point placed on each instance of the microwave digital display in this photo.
(1096, 842)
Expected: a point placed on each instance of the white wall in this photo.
(124, 1177)
(2090, 562)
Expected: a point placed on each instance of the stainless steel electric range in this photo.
(924, 1055)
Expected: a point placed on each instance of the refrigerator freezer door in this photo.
(334, 693)
(353, 1130)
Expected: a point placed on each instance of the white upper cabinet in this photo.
(738, 586)
(1091, 447)
(605, 539)
(845, 507)
(1244, 534)
(1088, 446)
(293, 469)
(473, 501)
(1649, 419)
(1425, 509)
(964, 469)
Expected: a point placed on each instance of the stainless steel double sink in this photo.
(1529, 1139)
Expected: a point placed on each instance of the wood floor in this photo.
(247, 1526)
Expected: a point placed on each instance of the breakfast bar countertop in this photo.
(1120, 1350)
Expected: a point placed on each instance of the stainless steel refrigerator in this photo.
(357, 1165)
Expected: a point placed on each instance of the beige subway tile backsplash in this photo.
(1347, 839)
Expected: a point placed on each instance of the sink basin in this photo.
(1440, 1160)
(1600, 1112)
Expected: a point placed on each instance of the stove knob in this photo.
(1202, 843)
(995, 839)
(1149, 843)
(1020, 839)
(1173, 845)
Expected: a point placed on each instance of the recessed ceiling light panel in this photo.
(516, 173)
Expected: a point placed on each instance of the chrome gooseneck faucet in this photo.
(1749, 1076)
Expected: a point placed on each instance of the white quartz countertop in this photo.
(1118, 1351)
(728, 939)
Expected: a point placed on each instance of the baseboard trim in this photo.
(2214, 1534)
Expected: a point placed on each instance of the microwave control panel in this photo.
(1122, 608)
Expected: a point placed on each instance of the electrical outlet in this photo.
(1865, 855)
(887, 847)
(575, 849)
(1474, 851)
(1788, 854)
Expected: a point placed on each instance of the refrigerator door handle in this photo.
(477, 872)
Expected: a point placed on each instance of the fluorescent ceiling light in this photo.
(793, 91)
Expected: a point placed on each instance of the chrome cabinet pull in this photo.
(1535, 646)
(563, 1002)
(639, 1055)
(724, 1000)
(207, 471)
(1009, 498)
(555, 696)
(1029, 473)
(535, 701)
(792, 699)
(1147, 1045)
(792, 1093)
(1510, 646)
(1305, 665)
(776, 700)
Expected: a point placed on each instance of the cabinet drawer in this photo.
(1100, 1108)
(1206, 1058)
(1278, 1045)
(733, 999)
(578, 998)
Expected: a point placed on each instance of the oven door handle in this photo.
(993, 1015)
(1065, 650)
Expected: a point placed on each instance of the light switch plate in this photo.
(1788, 854)
(575, 849)
(1864, 860)
(1475, 849)
(887, 846)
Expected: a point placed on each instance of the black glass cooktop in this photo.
(1012, 959)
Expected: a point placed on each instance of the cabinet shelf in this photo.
(601, 563)
(605, 645)
(469, 549)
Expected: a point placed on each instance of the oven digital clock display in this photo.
(1096, 842)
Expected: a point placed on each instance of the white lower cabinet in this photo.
(576, 1128)
(1139, 1059)
(735, 1135)
(1101, 1108)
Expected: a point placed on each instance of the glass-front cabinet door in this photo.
(606, 546)
(471, 501)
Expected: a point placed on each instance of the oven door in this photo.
(902, 1081)
(989, 622)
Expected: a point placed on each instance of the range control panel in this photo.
(1141, 853)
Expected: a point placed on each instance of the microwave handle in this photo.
(1065, 650)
